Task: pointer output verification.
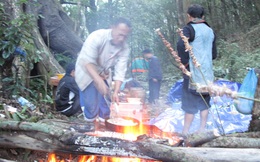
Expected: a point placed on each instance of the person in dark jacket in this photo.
(67, 94)
(202, 39)
(154, 76)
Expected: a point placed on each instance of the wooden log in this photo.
(57, 130)
(84, 144)
(224, 154)
(70, 141)
(234, 142)
(245, 135)
(197, 139)
(18, 140)
(208, 154)
(80, 126)
(53, 139)
(4, 160)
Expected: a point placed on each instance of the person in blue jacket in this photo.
(154, 76)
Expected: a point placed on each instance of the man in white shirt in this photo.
(103, 49)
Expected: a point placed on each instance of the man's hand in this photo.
(101, 86)
(98, 80)
(115, 97)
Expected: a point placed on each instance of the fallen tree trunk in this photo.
(234, 142)
(245, 135)
(59, 137)
(145, 147)
(197, 139)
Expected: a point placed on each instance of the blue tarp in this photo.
(223, 115)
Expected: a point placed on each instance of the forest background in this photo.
(235, 22)
(38, 38)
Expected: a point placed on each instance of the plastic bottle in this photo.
(24, 102)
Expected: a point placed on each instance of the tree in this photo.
(45, 26)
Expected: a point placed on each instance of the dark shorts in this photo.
(192, 102)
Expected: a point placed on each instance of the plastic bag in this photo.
(247, 90)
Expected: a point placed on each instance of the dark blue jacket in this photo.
(155, 70)
(66, 85)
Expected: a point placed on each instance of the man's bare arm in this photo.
(98, 80)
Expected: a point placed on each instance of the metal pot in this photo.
(121, 128)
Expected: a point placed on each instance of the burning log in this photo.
(60, 138)
(43, 137)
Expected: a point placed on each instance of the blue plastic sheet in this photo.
(175, 92)
(223, 115)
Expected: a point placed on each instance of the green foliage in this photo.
(63, 59)
(232, 61)
(14, 33)
(17, 33)
(146, 16)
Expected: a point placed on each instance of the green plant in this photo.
(17, 45)
(63, 59)
(232, 61)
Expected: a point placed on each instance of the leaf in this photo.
(15, 116)
(21, 116)
(2, 61)
(5, 54)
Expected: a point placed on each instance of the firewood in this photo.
(234, 142)
(197, 139)
(245, 135)
(52, 138)
(4, 160)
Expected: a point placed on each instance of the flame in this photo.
(93, 158)
(87, 158)
(52, 158)
(131, 133)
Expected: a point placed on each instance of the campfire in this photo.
(128, 133)
(92, 158)
(127, 136)
(125, 128)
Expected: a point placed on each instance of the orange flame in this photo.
(93, 158)
(87, 158)
(52, 158)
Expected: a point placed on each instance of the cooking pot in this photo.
(120, 127)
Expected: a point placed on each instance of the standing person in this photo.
(67, 94)
(102, 50)
(202, 40)
(154, 76)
